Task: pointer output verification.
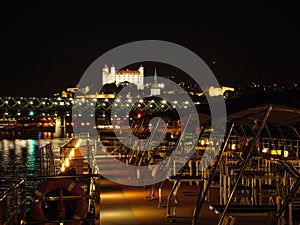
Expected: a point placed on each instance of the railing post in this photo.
(202, 195)
(264, 120)
(23, 202)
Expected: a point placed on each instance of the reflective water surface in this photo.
(19, 158)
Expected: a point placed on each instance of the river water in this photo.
(19, 158)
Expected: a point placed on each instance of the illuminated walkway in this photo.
(124, 205)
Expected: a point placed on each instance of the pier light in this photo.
(31, 113)
(67, 162)
(19, 102)
(103, 104)
(61, 103)
(163, 101)
(6, 102)
(285, 153)
(127, 105)
(175, 102)
(202, 142)
(151, 105)
(106, 100)
(265, 150)
(67, 114)
(141, 101)
(233, 146)
(18, 113)
(62, 168)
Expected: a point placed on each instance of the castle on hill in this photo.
(118, 76)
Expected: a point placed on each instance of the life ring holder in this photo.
(73, 187)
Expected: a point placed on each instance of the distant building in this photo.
(155, 89)
(118, 76)
(214, 91)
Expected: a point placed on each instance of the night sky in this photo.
(45, 50)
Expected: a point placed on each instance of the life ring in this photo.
(44, 188)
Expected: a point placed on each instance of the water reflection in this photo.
(19, 158)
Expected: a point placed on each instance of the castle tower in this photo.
(155, 89)
(107, 77)
(140, 82)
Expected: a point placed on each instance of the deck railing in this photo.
(13, 204)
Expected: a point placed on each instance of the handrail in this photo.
(13, 207)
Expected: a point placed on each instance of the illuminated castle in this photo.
(118, 76)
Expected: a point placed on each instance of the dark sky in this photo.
(46, 49)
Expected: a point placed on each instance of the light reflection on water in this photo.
(19, 158)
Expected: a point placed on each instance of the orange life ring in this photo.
(69, 185)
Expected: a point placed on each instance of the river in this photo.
(19, 158)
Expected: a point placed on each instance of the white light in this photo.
(61, 103)
(202, 142)
(163, 101)
(265, 150)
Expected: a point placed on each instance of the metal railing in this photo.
(47, 164)
(13, 204)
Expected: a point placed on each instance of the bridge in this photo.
(62, 108)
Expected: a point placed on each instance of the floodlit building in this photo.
(118, 76)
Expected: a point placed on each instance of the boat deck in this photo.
(128, 205)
